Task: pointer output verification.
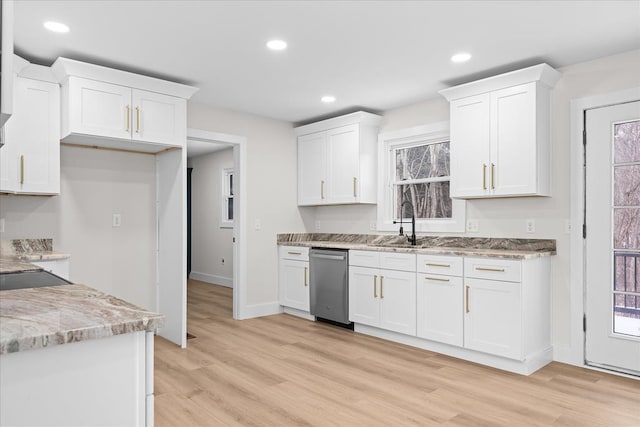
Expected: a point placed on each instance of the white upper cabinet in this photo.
(500, 134)
(30, 159)
(116, 109)
(337, 160)
(6, 61)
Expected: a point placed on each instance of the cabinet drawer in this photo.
(364, 258)
(493, 269)
(397, 261)
(299, 253)
(436, 264)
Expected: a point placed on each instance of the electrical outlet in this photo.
(117, 220)
(372, 226)
(317, 225)
(530, 226)
(258, 225)
(567, 226)
(1, 225)
(472, 225)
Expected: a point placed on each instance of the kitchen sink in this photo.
(30, 279)
(394, 245)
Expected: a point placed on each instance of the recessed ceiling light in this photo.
(461, 57)
(277, 44)
(56, 27)
(328, 99)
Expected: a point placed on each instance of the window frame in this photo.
(408, 137)
(226, 194)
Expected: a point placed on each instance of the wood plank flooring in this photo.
(284, 371)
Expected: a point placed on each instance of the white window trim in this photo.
(225, 223)
(436, 132)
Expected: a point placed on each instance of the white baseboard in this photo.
(212, 278)
(260, 310)
(525, 367)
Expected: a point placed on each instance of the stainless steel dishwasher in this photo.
(329, 285)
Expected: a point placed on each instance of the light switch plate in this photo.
(117, 220)
(472, 225)
(258, 225)
(317, 225)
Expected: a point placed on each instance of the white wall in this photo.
(210, 244)
(94, 185)
(271, 192)
(506, 217)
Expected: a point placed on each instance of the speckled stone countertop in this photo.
(434, 245)
(37, 318)
(30, 250)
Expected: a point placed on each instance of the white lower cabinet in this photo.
(381, 297)
(492, 319)
(487, 310)
(439, 299)
(294, 277)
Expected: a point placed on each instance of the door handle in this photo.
(305, 277)
(22, 169)
(493, 167)
(137, 119)
(375, 280)
(381, 282)
(322, 189)
(355, 182)
(128, 117)
(484, 176)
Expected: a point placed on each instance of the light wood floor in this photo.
(281, 370)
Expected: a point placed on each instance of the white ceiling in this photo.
(370, 55)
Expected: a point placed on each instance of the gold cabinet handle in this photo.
(322, 189)
(493, 167)
(499, 270)
(375, 280)
(137, 119)
(381, 279)
(355, 182)
(294, 253)
(437, 279)
(22, 169)
(484, 176)
(433, 264)
(128, 117)
(305, 277)
(466, 307)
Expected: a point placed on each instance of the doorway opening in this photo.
(216, 212)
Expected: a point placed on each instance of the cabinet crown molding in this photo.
(542, 73)
(64, 67)
(359, 117)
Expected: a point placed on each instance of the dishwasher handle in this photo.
(331, 257)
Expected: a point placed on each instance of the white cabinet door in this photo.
(364, 297)
(513, 141)
(98, 108)
(294, 284)
(493, 317)
(440, 312)
(31, 158)
(312, 186)
(158, 118)
(398, 301)
(470, 139)
(343, 146)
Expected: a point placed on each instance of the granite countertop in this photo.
(30, 250)
(433, 245)
(37, 318)
(10, 265)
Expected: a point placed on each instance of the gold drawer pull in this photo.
(381, 279)
(305, 277)
(429, 264)
(466, 308)
(355, 182)
(499, 270)
(22, 169)
(493, 167)
(484, 176)
(436, 279)
(322, 189)
(128, 117)
(375, 280)
(294, 253)
(137, 119)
